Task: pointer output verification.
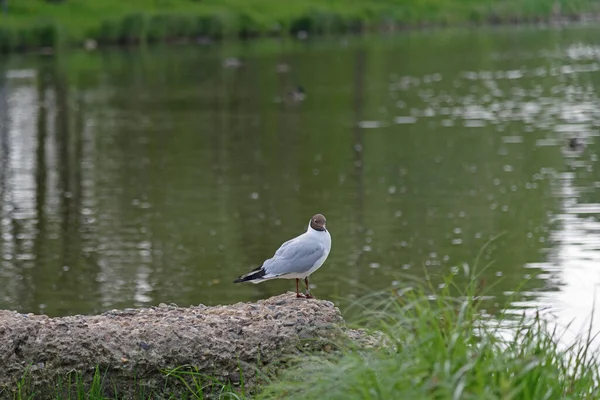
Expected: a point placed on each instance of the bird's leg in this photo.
(308, 295)
(298, 294)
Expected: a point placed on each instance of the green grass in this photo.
(72, 387)
(200, 386)
(191, 385)
(40, 23)
(443, 344)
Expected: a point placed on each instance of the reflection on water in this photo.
(134, 178)
(574, 259)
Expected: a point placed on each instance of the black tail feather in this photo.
(254, 274)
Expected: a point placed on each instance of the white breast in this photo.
(325, 238)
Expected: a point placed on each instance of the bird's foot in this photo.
(309, 296)
(300, 296)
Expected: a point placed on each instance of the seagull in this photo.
(297, 258)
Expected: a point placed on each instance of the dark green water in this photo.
(131, 178)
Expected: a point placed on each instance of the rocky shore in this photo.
(141, 344)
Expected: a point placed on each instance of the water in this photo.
(131, 178)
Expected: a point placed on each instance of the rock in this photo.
(140, 344)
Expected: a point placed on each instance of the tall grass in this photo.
(40, 23)
(44, 33)
(442, 344)
(72, 387)
(185, 383)
(201, 386)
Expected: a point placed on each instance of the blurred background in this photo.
(133, 176)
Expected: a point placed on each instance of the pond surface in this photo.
(131, 178)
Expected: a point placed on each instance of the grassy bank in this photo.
(438, 344)
(447, 346)
(45, 23)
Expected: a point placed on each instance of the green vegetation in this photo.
(43, 23)
(200, 386)
(441, 346)
(190, 384)
(437, 344)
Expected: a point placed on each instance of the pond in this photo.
(134, 177)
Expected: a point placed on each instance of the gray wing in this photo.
(294, 257)
(281, 248)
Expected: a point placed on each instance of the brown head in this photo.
(317, 222)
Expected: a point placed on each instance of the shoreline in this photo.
(136, 30)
